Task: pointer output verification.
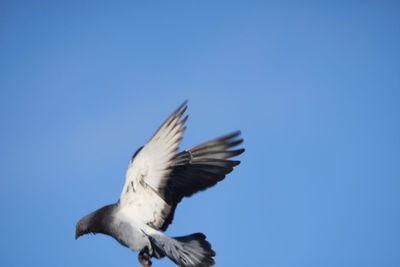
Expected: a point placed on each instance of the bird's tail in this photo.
(186, 251)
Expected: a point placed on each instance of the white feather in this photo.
(148, 173)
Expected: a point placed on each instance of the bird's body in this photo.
(156, 181)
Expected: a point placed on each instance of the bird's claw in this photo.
(144, 259)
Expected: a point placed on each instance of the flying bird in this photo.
(156, 181)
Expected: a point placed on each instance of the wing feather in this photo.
(149, 169)
(200, 167)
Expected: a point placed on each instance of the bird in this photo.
(157, 179)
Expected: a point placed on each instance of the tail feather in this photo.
(186, 251)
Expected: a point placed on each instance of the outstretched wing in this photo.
(200, 167)
(149, 169)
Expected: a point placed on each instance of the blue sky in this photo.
(314, 87)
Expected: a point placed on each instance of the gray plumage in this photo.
(200, 167)
(191, 250)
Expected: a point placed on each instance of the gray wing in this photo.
(200, 167)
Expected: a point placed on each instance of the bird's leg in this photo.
(144, 258)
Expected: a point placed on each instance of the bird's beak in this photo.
(77, 234)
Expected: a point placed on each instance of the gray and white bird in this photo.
(156, 181)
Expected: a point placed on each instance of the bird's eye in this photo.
(81, 223)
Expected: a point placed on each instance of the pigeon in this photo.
(156, 181)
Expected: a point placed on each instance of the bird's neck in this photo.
(101, 218)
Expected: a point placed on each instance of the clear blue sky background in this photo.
(314, 87)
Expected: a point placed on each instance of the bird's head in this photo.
(95, 222)
(82, 227)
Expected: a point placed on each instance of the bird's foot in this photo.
(144, 259)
